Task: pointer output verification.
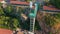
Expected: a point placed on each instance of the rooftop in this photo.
(44, 7)
(27, 3)
(50, 8)
(5, 31)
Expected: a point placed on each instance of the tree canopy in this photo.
(56, 3)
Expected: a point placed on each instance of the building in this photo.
(5, 31)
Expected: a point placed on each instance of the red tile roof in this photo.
(21, 3)
(18, 2)
(10, 0)
(1, 0)
(5, 31)
(50, 8)
(44, 7)
(27, 3)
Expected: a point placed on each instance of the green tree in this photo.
(56, 3)
(1, 11)
(9, 9)
(27, 0)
